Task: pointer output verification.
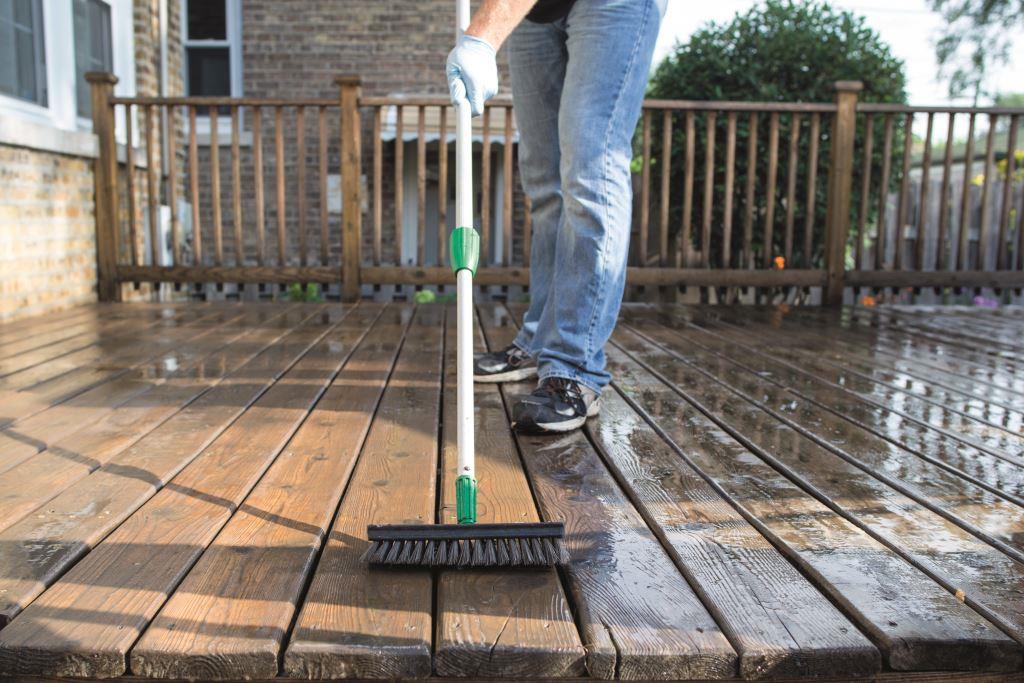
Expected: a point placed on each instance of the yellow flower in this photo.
(780, 262)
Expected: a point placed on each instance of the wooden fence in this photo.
(718, 203)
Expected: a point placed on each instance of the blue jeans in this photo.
(578, 84)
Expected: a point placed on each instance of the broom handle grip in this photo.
(464, 277)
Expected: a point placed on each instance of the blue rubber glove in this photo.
(472, 71)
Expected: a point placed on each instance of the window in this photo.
(93, 47)
(22, 51)
(212, 47)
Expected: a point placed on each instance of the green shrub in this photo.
(779, 51)
(310, 293)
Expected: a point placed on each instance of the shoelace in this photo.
(565, 390)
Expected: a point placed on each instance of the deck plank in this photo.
(108, 353)
(1002, 476)
(876, 355)
(229, 617)
(491, 623)
(37, 550)
(938, 416)
(990, 437)
(56, 447)
(981, 512)
(356, 622)
(136, 357)
(640, 620)
(908, 529)
(85, 623)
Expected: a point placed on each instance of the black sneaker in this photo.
(556, 405)
(511, 364)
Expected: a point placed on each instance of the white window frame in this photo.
(234, 44)
(61, 111)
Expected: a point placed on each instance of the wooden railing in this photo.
(321, 190)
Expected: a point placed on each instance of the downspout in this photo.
(165, 162)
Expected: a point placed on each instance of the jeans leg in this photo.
(537, 58)
(610, 47)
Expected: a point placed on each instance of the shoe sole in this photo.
(509, 376)
(565, 425)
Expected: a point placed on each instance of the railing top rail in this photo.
(725, 105)
(883, 108)
(423, 101)
(226, 101)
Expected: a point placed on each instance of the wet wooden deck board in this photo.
(769, 494)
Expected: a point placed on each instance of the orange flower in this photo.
(780, 262)
(868, 300)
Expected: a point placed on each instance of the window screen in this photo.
(22, 57)
(93, 47)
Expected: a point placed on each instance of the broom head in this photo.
(473, 546)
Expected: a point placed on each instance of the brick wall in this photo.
(47, 237)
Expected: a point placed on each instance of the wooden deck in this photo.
(768, 493)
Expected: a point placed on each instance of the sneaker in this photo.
(556, 405)
(511, 364)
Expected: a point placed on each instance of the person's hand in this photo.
(472, 71)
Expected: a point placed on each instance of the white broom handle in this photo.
(464, 278)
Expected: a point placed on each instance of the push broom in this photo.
(466, 544)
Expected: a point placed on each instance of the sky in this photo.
(908, 26)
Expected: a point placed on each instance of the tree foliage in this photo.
(781, 51)
(979, 34)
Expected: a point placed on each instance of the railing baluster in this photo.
(485, 190)
(218, 240)
(442, 189)
(421, 186)
(193, 181)
(901, 204)
(986, 183)
(279, 158)
(1002, 253)
(963, 243)
(794, 144)
(130, 186)
(236, 189)
(151, 187)
(941, 259)
(883, 195)
(769, 211)
(922, 223)
(506, 204)
(666, 165)
(378, 174)
(257, 174)
(709, 187)
(683, 258)
(645, 189)
(730, 163)
(812, 190)
(748, 212)
(867, 162)
(300, 161)
(325, 244)
(172, 189)
(399, 182)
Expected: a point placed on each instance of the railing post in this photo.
(105, 182)
(351, 202)
(840, 186)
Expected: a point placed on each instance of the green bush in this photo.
(779, 51)
(310, 293)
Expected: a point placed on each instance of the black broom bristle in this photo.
(467, 545)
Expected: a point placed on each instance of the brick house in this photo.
(284, 49)
(47, 149)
